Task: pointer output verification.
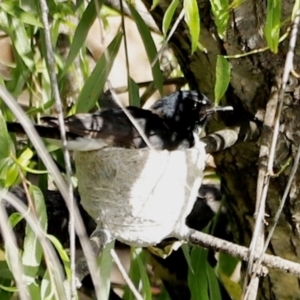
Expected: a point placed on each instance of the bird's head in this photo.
(183, 109)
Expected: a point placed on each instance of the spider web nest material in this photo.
(140, 195)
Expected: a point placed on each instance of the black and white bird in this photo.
(169, 124)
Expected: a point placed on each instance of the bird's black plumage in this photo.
(169, 124)
(183, 112)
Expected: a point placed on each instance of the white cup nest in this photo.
(140, 195)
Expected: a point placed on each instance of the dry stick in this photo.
(287, 70)
(241, 252)
(58, 179)
(59, 109)
(174, 27)
(257, 242)
(125, 42)
(12, 252)
(125, 275)
(147, 18)
(52, 262)
(130, 117)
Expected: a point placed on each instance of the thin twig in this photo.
(53, 264)
(12, 252)
(174, 27)
(125, 276)
(289, 62)
(125, 43)
(59, 108)
(131, 118)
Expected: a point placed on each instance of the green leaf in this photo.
(8, 288)
(149, 47)
(142, 263)
(47, 292)
(133, 91)
(154, 4)
(272, 26)
(186, 253)
(94, 85)
(227, 264)
(25, 157)
(32, 253)
(15, 218)
(105, 266)
(5, 272)
(12, 9)
(220, 9)
(4, 138)
(12, 174)
(21, 40)
(168, 16)
(5, 295)
(192, 19)
(222, 78)
(81, 32)
(198, 279)
(63, 256)
(233, 288)
(213, 284)
(296, 9)
(134, 276)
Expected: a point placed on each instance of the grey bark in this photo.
(254, 79)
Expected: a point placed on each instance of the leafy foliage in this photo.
(272, 27)
(20, 20)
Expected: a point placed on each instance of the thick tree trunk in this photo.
(254, 81)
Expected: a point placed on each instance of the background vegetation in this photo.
(235, 52)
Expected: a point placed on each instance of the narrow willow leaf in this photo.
(168, 16)
(149, 47)
(12, 174)
(272, 27)
(105, 267)
(15, 218)
(142, 263)
(12, 9)
(198, 280)
(186, 253)
(233, 288)
(25, 157)
(63, 256)
(81, 32)
(154, 4)
(133, 91)
(29, 5)
(94, 85)
(235, 3)
(8, 289)
(222, 78)
(21, 40)
(32, 253)
(213, 284)
(134, 276)
(192, 19)
(220, 9)
(5, 295)
(47, 292)
(5, 271)
(4, 138)
(227, 264)
(296, 9)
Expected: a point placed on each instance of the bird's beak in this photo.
(218, 108)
